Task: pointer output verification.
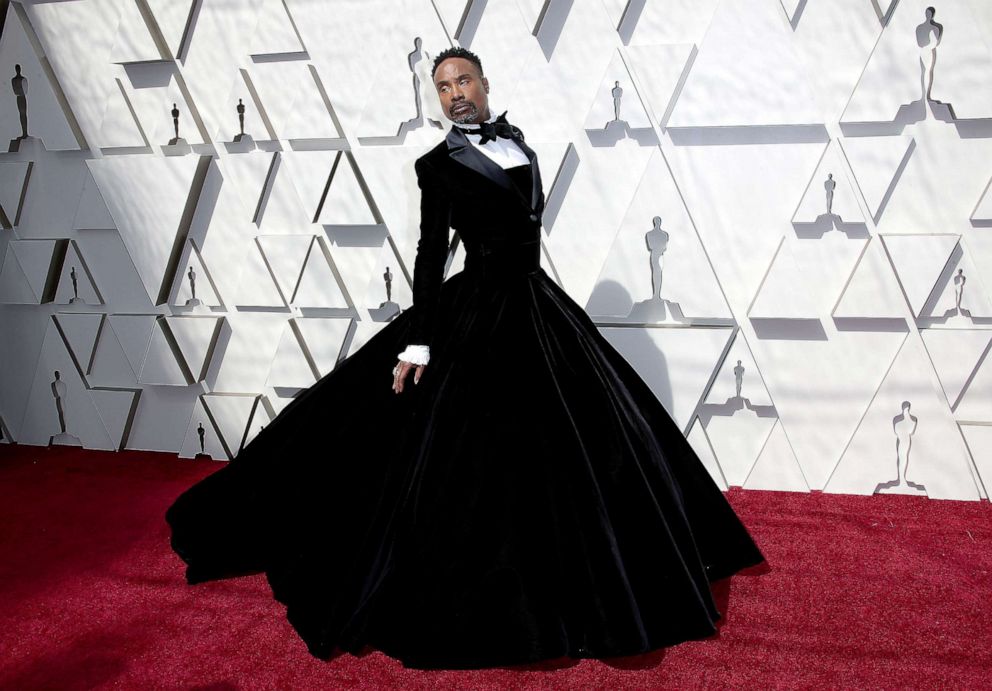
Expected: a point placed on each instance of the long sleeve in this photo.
(432, 253)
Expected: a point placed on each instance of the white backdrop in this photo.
(801, 343)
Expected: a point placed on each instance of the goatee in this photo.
(465, 115)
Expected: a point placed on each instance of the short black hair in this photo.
(457, 52)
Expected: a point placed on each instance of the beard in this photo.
(463, 116)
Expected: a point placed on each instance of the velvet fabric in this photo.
(529, 499)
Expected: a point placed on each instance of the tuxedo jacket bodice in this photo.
(520, 175)
(495, 211)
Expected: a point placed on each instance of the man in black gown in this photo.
(555, 509)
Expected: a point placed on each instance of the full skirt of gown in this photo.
(530, 498)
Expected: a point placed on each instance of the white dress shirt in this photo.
(506, 154)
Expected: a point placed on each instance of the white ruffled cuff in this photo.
(417, 354)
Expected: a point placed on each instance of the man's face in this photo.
(463, 93)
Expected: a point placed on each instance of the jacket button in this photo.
(533, 217)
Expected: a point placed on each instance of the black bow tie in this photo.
(497, 128)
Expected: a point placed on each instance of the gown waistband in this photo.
(511, 259)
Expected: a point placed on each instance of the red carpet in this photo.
(881, 592)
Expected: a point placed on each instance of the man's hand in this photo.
(399, 374)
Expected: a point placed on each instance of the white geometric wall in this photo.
(799, 349)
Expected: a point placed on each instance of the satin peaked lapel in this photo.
(460, 149)
(535, 175)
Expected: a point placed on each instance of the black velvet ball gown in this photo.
(529, 499)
